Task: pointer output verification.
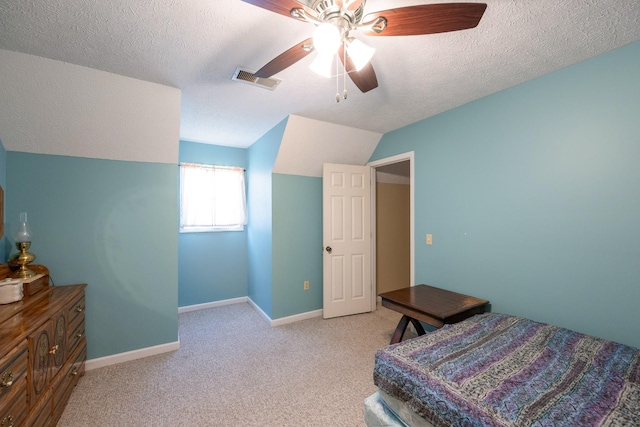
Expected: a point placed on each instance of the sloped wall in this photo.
(51, 107)
(307, 144)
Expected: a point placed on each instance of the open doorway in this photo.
(392, 223)
(393, 233)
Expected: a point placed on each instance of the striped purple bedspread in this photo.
(499, 370)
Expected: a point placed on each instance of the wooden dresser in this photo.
(42, 353)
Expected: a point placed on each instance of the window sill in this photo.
(210, 229)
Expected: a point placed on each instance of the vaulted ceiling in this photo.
(197, 45)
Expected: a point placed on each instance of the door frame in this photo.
(374, 165)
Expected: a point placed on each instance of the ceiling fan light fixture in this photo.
(326, 39)
(359, 53)
(322, 64)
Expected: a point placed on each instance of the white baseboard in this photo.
(284, 320)
(296, 318)
(195, 307)
(173, 346)
(131, 355)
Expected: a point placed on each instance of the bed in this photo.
(498, 370)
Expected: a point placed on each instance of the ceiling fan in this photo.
(348, 15)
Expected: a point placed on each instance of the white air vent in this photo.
(246, 76)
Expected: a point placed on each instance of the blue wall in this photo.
(3, 184)
(297, 244)
(533, 197)
(261, 157)
(112, 225)
(286, 233)
(212, 266)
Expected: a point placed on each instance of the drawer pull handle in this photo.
(79, 309)
(7, 421)
(78, 335)
(6, 380)
(74, 372)
(54, 349)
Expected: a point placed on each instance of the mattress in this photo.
(500, 370)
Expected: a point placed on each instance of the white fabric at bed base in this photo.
(383, 410)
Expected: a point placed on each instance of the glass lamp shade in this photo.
(359, 53)
(322, 64)
(326, 39)
(24, 232)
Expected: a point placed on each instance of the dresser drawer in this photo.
(68, 378)
(13, 404)
(76, 312)
(13, 369)
(40, 415)
(75, 336)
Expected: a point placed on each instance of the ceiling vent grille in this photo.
(246, 76)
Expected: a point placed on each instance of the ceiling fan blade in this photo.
(365, 79)
(286, 59)
(283, 7)
(427, 19)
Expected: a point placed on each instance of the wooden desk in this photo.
(433, 306)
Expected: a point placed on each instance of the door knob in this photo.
(328, 248)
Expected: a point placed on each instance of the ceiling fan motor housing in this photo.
(329, 11)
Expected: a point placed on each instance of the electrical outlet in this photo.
(429, 239)
(306, 285)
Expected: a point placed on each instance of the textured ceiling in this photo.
(196, 46)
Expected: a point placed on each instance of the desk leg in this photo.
(402, 326)
(418, 326)
(399, 332)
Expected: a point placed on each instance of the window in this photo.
(212, 198)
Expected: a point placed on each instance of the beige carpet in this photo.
(233, 369)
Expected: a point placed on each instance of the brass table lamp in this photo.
(23, 257)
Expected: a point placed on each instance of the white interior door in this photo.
(346, 193)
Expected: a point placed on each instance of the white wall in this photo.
(83, 112)
(307, 144)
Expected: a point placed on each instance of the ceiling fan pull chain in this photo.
(337, 81)
(344, 75)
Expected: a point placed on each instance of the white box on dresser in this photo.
(10, 291)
